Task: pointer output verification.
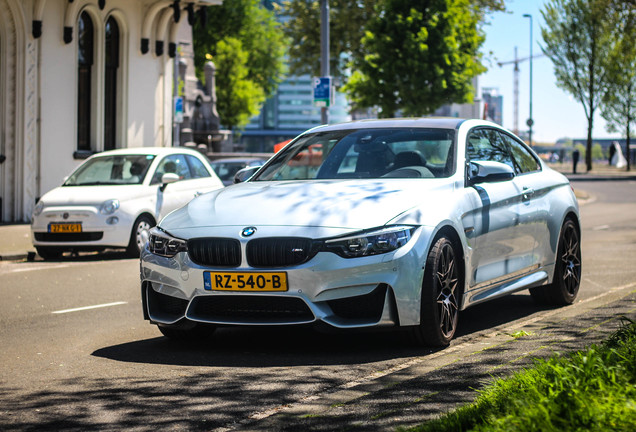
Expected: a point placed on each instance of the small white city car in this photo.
(385, 223)
(114, 197)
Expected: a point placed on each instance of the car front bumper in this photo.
(97, 230)
(373, 291)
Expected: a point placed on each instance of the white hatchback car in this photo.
(115, 197)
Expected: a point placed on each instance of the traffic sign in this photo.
(322, 91)
(178, 110)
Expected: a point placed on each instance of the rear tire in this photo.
(139, 235)
(567, 270)
(441, 288)
(49, 253)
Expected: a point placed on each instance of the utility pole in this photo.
(324, 51)
(530, 121)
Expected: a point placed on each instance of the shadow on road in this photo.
(305, 346)
(256, 375)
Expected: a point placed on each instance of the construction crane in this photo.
(516, 62)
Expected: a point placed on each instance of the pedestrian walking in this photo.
(575, 160)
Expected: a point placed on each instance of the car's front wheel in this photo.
(567, 271)
(441, 287)
(139, 235)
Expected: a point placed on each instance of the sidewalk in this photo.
(15, 242)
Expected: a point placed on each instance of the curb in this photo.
(18, 256)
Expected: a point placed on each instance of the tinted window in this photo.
(364, 154)
(196, 166)
(487, 145)
(175, 164)
(523, 158)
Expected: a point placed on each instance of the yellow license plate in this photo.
(245, 281)
(71, 227)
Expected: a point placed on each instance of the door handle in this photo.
(527, 193)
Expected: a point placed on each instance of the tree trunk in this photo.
(588, 148)
(627, 149)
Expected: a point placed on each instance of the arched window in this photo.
(110, 84)
(86, 46)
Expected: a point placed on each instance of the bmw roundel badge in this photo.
(249, 231)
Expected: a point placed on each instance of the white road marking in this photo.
(38, 267)
(89, 307)
(600, 228)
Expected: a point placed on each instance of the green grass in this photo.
(591, 390)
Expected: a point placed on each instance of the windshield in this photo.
(365, 154)
(111, 170)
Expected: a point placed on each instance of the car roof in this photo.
(423, 122)
(237, 160)
(156, 151)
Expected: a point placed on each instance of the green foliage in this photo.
(238, 98)
(418, 56)
(591, 390)
(579, 37)
(263, 47)
(348, 20)
(619, 102)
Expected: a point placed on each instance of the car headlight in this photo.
(109, 207)
(163, 244)
(374, 242)
(38, 208)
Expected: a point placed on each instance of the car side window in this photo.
(175, 164)
(525, 162)
(487, 145)
(196, 166)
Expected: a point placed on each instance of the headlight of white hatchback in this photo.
(374, 242)
(109, 207)
(162, 243)
(39, 207)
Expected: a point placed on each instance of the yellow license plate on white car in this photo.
(245, 281)
(65, 227)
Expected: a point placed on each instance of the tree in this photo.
(239, 98)
(263, 43)
(418, 55)
(348, 20)
(578, 37)
(619, 103)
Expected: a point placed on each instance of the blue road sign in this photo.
(322, 91)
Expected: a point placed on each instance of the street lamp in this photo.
(530, 122)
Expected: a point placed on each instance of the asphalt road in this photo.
(77, 355)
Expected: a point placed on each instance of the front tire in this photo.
(139, 235)
(439, 310)
(567, 271)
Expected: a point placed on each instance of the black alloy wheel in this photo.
(440, 296)
(567, 272)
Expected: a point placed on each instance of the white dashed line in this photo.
(89, 307)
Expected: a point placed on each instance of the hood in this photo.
(350, 204)
(91, 195)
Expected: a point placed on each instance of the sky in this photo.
(556, 114)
